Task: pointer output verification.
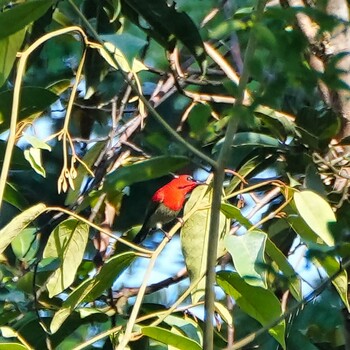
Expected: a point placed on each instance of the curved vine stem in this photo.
(23, 57)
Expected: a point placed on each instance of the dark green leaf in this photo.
(19, 16)
(32, 100)
(166, 25)
(286, 268)
(13, 196)
(9, 46)
(142, 171)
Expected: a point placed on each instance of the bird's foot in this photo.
(181, 221)
(166, 234)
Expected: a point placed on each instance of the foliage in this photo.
(100, 101)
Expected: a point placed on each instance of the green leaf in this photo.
(89, 159)
(36, 142)
(33, 100)
(259, 303)
(67, 242)
(143, 171)
(254, 139)
(9, 46)
(286, 268)
(195, 237)
(12, 346)
(19, 16)
(317, 214)
(33, 156)
(166, 25)
(18, 161)
(19, 223)
(167, 337)
(92, 288)
(247, 253)
(188, 325)
(25, 245)
(130, 45)
(246, 169)
(332, 266)
(232, 212)
(13, 196)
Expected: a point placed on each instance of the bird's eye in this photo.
(189, 178)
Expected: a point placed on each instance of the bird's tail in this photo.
(142, 234)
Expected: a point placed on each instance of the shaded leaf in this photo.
(286, 268)
(9, 46)
(332, 266)
(33, 100)
(25, 245)
(259, 303)
(143, 171)
(19, 223)
(166, 25)
(67, 242)
(19, 16)
(13, 196)
(247, 252)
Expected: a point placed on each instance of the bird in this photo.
(166, 204)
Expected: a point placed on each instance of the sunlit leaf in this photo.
(317, 213)
(259, 303)
(67, 242)
(247, 253)
(167, 337)
(93, 287)
(232, 212)
(19, 223)
(33, 156)
(195, 237)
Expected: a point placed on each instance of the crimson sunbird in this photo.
(166, 204)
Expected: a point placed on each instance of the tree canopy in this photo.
(101, 102)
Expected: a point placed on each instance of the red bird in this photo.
(166, 204)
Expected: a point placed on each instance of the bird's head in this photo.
(184, 183)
